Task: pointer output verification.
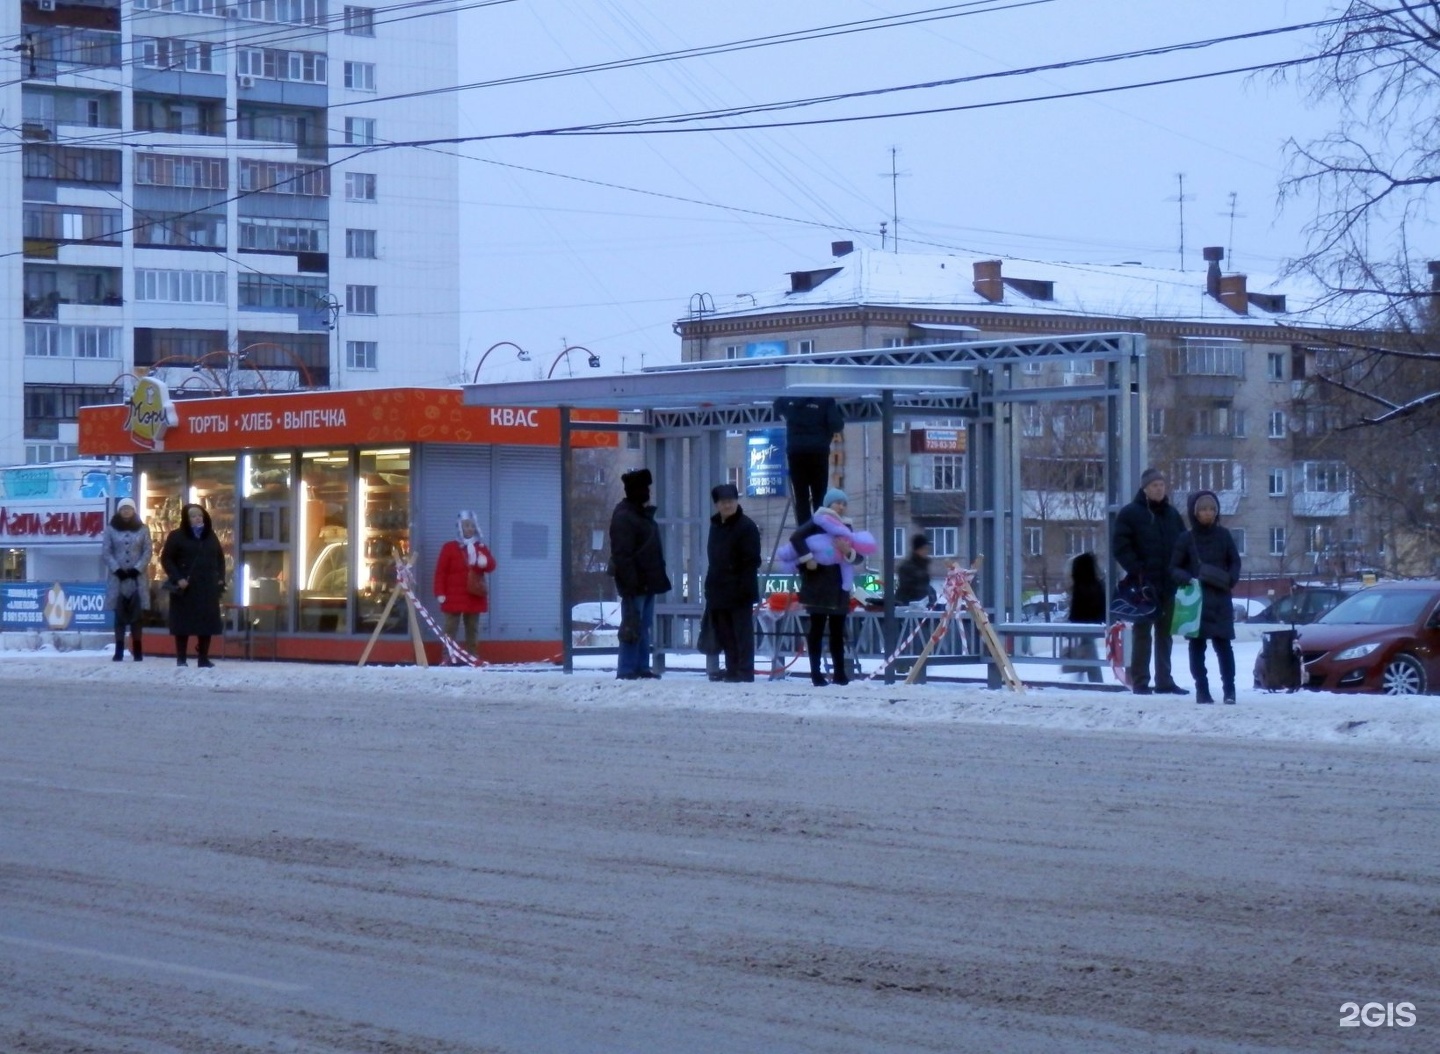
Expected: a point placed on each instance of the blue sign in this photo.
(760, 349)
(765, 463)
(53, 606)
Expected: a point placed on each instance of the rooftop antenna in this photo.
(1182, 198)
(882, 235)
(1230, 244)
(894, 176)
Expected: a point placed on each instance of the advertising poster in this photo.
(765, 463)
(53, 606)
(760, 349)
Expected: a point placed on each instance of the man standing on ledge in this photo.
(811, 424)
(638, 563)
(1145, 535)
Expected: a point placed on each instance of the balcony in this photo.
(1321, 503)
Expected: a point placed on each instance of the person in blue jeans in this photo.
(637, 560)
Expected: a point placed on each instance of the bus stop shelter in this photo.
(686, 411)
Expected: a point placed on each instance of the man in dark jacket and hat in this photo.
(1145, 534)
(731, 589)
(637, 561)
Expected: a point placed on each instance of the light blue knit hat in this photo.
(835, 494)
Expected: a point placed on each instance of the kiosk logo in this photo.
(150, 413)
(57, 612)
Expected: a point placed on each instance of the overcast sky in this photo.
(584, 239)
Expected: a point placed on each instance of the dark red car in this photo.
(1382, 639)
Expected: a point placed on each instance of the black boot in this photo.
(816, 677)
(137, 649)
(182, 645)
(1202, 691)
(202, 648)
(119, 655)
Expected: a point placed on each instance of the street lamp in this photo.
(593, 362)
(520, 354)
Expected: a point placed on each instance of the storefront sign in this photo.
(340, 418)
(937, 441)
(150, 414)
(29, 524)
(63, 483)
(53, 606)
(765, 463)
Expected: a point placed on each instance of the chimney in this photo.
(1213, 255)
(839, 249)
(1232, 294)
(989, 283)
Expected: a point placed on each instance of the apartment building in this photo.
(203, 189)
(1230, 406)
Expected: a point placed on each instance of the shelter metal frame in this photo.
(688, 409)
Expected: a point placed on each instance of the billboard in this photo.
(56, 606)
(765, 463)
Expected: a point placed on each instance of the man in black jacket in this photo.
(811, 425)
(637, 561)
(1145, 534)
(731, 589)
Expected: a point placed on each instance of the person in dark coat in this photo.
(811, 425)
(913, 574)
(126, 552)
(1207, 551)
(731, 589)
(194, 565)
(823, 590)
(637, 560)
(1145, 533)
(1087, 604)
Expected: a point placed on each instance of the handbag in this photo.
(1134, 600)
(475, 583)
(1189, 599)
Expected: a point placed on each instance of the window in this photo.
(360, 299)
(900, 481)
(47, 406)
(170, 170)
(308, 67)
(1275, 366)
(360, 76)
(1034, 541)
(1157, 422)
(804, 347)
(897, 543)
(1277, 424)
(1080, 540)
(1277, 541)
(180, 287)
(944, 541)
(72, 223)
(170, 53)
(359, 21)
(299, 12)
(1209, 357)
(71, 164)
(945, 472)
(361, 354)
(72, 342)
(359, 244)
(734, 351)
(1033, 367)
(1277, 482)
(264, 234)
(360, 131)
(1238, 534)
(268, 291)
(1215, 474)
(1032, 420)
(892, 342)
(284, 177)
(1239, 424)
(1323, 477)
(359, 186)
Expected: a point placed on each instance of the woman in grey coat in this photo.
(126, 552)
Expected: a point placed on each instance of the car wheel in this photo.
(1403, 675)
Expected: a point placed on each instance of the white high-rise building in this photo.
(203, 188)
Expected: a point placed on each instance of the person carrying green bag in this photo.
(1206, 558)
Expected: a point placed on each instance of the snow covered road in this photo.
(272, 858)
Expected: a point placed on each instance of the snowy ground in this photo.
(327, 860)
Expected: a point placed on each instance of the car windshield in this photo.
(1379, 607)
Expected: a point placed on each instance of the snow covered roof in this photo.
(1025, 288)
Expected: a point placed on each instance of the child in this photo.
(1207, 552)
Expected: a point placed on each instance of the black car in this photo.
(1303, 606)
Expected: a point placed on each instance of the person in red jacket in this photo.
(462, 584)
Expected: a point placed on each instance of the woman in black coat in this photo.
(1207, 552)
(1087, 604)
(194, 565)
